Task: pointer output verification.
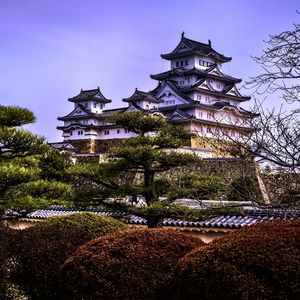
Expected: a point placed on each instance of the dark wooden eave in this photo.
(90, 95)
(181, 71)
(141, 96)
(194, 47)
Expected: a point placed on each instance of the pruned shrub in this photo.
(7, 258)
(131, 264)
(95, 224)
(43, 249)
(259, 262)
(244, 188)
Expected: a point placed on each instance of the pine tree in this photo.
(153, 150)
(22, 184)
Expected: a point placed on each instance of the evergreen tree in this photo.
(153, 150)
(22, 184)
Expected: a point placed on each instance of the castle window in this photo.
(177, 64)
(101, 106)
(80, 132)
(186, 62)
(181, 82)
(206, 98)
(200, 114)
(118, 131)
(95, 104)
(233, 133)
(204, 63)
(71, 133)
(106, 132)
(218, 86)
(210, 116)
(126, 130)
(198, 97)
(181, 63)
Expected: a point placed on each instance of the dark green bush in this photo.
(95, 224)
(130, 264)
(43, 249)
(203, 187)
(259, 262)
(7, 258)
(244, 189)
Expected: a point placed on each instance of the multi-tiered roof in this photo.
(195, 90)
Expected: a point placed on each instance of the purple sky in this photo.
(50, 49)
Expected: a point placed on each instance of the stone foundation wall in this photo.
(93, 146)
(227, 169)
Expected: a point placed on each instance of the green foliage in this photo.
(41, 252)
(7, 255)
(291, 196)
(13, 116)
(130, 264)
(244, 189)
(39, 193)
(27, 165)
(151, 151)
(168, 209)
(54, 165)
(202, 187)
(138, 122)
(93, 223)
(19, 143)
(258, 262)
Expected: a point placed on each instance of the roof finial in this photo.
(209, 42)
(182, 34)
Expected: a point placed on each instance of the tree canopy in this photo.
(23, 164)
(155, 148)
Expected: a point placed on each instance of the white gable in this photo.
(182, 47)
(132, 108)
(168, 94)
(205, 85)
(216, 71)
(77, 112)
(234, 91)
(177, 116)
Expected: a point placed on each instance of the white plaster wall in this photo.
(205, 58)
(217, 85)
(114, 135)
(190, 61)
(147, 105)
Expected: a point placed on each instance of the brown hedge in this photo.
(258, 262)
(130, 264)
(41, 252)
(7, 258)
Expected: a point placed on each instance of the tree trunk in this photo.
(149, 186)
(154, 221)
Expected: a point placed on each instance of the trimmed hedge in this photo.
(259, 262)
(95, 224)
(43, 249)
(131, 264)
(7, 255)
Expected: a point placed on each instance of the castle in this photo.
(194, 92)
